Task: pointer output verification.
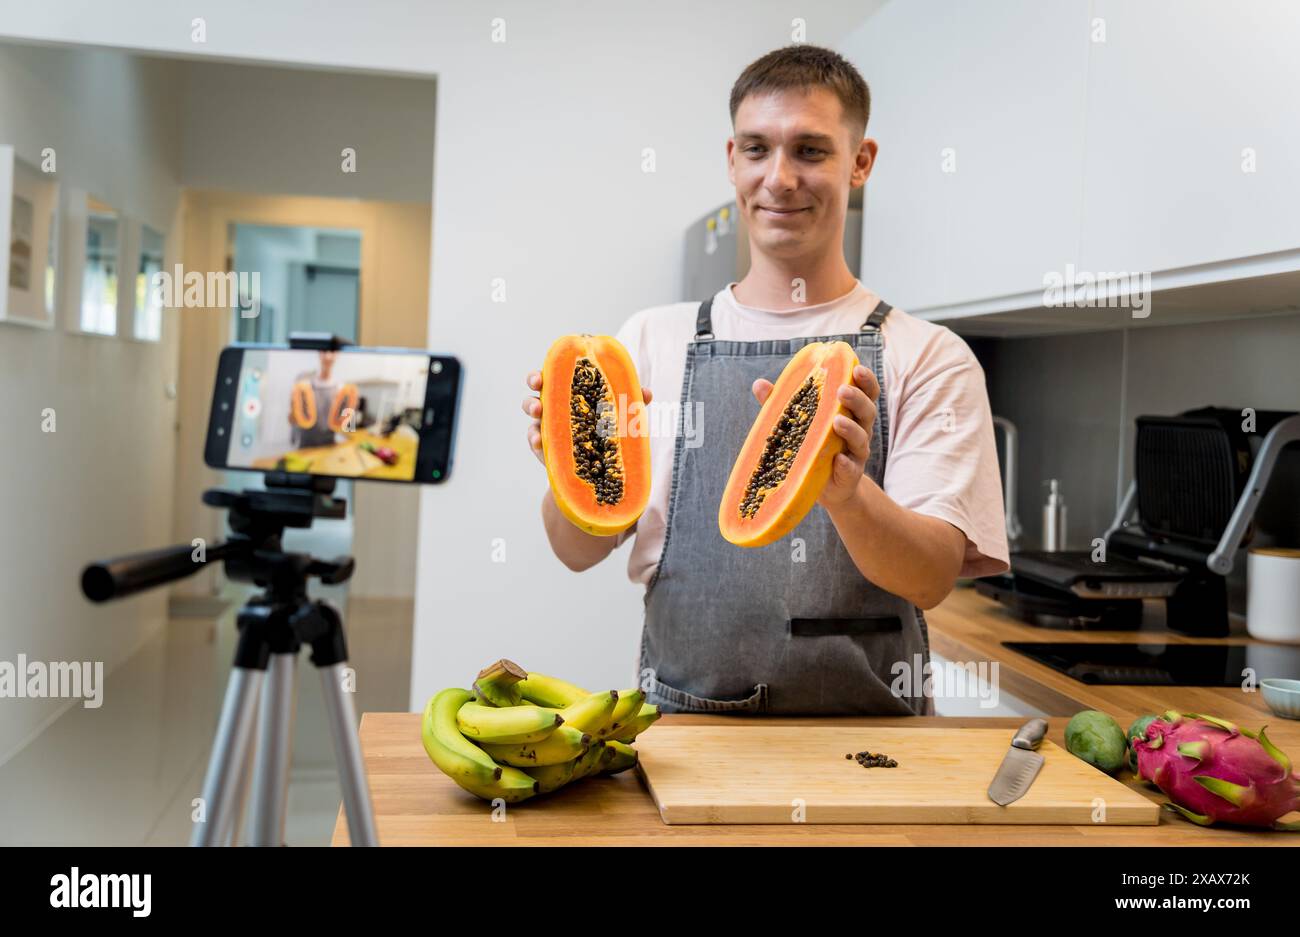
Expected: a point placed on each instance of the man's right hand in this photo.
(533, 407)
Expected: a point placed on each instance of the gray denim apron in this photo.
(792, 627)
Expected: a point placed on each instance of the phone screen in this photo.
(355, 413)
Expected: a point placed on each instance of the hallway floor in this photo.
(127, 774)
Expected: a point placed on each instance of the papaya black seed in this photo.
(781, 446)
(593, 421)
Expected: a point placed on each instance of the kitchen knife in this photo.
(1021, 764)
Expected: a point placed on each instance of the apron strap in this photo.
(704, 322)
(877, 316)
(704, 319)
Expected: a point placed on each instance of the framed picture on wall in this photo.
(29, 236)
(101, 263)
(147, 319)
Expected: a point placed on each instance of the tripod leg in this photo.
(275, 747)
(226, 764)
(342, 717)
(235, 826)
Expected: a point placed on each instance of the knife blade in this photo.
(1021, 764)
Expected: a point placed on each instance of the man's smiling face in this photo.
(793, 161)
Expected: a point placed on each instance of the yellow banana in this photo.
(592, 762)
(553, 777)
(496, 685)
(550, 691)
(504, 726)
(591, 713)
(648, 716)
(624, 757)
(564, 744)
(628, 705)
(462, 760)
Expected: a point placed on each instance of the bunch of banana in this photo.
(519, 733)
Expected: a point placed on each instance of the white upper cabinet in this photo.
(1184, 98)
(1021, 136)
(979, 112)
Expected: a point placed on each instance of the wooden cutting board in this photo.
(763, 774)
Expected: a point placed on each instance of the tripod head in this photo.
(253, 553)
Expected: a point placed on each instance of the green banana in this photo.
(564, 744)
(647, 717)
(624, 757)
(629, 704)
(551, 692)
(592, 712)
(462, 760)
(497, 685)
(509, 725)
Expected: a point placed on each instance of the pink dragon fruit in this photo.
(1215, 772)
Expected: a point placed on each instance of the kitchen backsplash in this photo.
(1074, 399)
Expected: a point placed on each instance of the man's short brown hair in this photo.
(805, 67)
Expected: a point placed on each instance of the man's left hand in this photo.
(859, 399)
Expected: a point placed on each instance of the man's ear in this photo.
(731, 168)
(864, 162)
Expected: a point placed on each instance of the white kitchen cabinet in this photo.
(1178, 92)
(999, 88)
(1121, 153)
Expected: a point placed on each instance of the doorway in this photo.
(306, 279)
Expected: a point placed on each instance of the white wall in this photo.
(92, 488)
(283, 130)
(538, 181)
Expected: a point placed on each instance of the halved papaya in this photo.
(790, 449)
(594, 438)
(303, 403)
(343, 409)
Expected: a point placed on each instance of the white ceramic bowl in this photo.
(1282, 696)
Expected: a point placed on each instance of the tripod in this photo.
(273, 627)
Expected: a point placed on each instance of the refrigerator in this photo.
(717, 248)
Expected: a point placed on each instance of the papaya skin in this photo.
(786, 505)
(574, 497)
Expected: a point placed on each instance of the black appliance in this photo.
(1197, 483)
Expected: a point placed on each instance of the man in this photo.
(323, 387)
(828, 619)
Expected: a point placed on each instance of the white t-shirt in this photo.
(942, 457)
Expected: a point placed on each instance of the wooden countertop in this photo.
(969, 628)
(416, 805)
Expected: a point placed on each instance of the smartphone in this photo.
(382, 414)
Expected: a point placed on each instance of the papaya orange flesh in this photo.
(304, 405)
(790, 450)
(344, 400)
(594, 436)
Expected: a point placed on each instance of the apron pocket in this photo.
(822, 627)
(670, 699)
(826, 672)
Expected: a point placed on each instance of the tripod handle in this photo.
(126, 575)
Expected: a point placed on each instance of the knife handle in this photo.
(1030, 735)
